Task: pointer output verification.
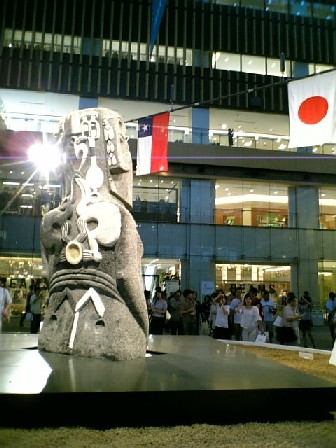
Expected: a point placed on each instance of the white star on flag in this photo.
(312, 110)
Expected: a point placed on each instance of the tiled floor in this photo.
(183, 379)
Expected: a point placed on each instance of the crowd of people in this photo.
(240, 316)
(33, 306)
(236, 315)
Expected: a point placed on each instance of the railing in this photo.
(49, 124)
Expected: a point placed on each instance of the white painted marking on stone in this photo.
(91, 294)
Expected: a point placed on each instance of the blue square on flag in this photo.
(145, 127)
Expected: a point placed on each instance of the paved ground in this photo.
(321, 334)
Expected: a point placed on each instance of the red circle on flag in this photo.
(313, 109)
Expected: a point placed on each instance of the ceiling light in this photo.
(224, 200)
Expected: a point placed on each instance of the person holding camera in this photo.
(222, 330)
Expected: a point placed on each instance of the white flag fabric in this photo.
(312, 110)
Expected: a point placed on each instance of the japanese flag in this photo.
(312, 110)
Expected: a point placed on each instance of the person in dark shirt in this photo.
(26, 312)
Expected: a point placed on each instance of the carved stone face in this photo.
(91, 246)
(95, 146)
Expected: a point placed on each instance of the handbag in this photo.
(261, 338)
(29, 316)
(278, 321)
(204, 331)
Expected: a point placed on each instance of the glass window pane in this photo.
(226, 61)
(276, 5)
(322, 68)
(251, 204)
(300, 8)
(253, 64)
(326, 12)
(273, 67)
(254, 4)
(327, 202)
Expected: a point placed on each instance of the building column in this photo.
(197, 201)
(87, 103)
(197, 271)
(303, 209)
(200, 122)
(197, 207)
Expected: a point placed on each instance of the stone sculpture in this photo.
(91, 250)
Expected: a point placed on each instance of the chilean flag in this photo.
(152, 144)
(312, 110)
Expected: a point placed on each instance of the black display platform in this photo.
(182, 380)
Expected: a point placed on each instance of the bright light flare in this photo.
(45, 157)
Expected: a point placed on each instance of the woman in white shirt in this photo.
(159, 309)
(251, 321)
(221, 330)
(291, 318)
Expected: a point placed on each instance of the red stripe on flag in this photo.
(159, 157)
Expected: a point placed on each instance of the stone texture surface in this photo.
(90, 245)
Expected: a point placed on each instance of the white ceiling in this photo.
(55, 106)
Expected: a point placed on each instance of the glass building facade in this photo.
(217, 218)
